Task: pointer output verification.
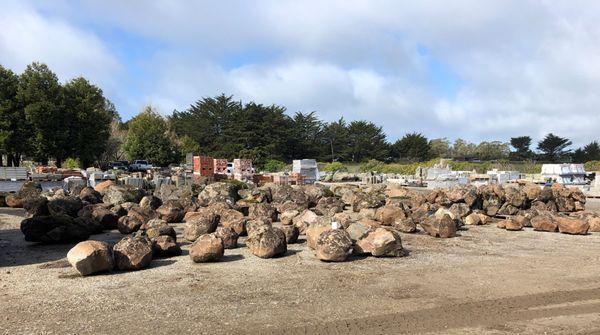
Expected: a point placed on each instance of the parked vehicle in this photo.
(118, 165)
(140, 165)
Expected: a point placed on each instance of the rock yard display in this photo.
(336, 222)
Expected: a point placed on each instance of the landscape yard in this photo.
(485, 281)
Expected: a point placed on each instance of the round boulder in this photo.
(207, 248)
(133, 253)
(333, 245)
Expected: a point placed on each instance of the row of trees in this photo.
(42, 119)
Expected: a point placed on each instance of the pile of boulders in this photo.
(337, 221)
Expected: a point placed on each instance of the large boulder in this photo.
(510, 224)
(233, 219)
(329, 206)
(171, 211)
(288, 216)
(367, 200)
(439, 226)
(228, 236)
(116, 195)
(36, 205)
(207, 248)
(133, 253)
(381, 242)
(573, 226)
(105, 216)
(160, 230)
(291, 233)
(89, 257)
(407, 225)
(544, 222)
(151, 202)
(262, 210)
(267, 242)
(473, 219)
(333, 245)
(313, 232)
(201, 225)
(165, 246)
(304, 220)
(389, 215)
(358, 230)
(128, 224)
(344, 219)
(89, 195)
(216, 192)
(103, 186)
(65, 206)
(54, 229)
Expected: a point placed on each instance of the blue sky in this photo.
(478, 70)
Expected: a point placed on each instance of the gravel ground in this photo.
(487, 281)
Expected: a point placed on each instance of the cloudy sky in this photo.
(479, 70)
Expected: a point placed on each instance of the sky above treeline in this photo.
(478, 70)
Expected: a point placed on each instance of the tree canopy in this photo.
(554, 148)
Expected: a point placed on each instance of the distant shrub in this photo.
(334, 167)
(592, 166)
(372, 165)
(71, 163)
(273, 165)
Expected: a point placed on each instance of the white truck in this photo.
(140, 166)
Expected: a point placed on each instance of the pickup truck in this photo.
(140, 166)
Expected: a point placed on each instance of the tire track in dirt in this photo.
(462, 315)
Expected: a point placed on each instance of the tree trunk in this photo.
(9, 160)
(1, 160)
(58, 162)
(17, 160)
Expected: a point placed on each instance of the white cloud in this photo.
(524, 67)
(28, 36)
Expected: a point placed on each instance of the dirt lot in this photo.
(487, 281)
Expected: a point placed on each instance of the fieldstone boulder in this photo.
(36, 205)
(106, 217)
(133, 253)
(291, 233)
(544, 222)
(388, 215)
(89, 257)
(253, 226)
(117, 194)
(89, 195)
(473, 219)
(262, 210)
(594, 222)
(287, 217)
(65, 206)
(207, 248)
(165, 246)
(367, 200)
(573, 226)
(200, 226)
(150, 202)
(54, 229)
(160, 230)
(304, 220)
(128, 224)
(103, 186)
(219, 191)
(333, 245)
(233, 219)
(267, 242)
(344, 219)
(381, 242)
(171, 211)
(329, 206)
(407, 225)
(229, 237)
(313, 232)
(510, 224)
(439, 226)
(357, 230)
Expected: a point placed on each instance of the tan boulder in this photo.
(473, 219)
(573, 226)
(388, 215)
(333, 245)
(381, 242)
(267, 242)
(544, 222)
(436, 226)
(229, 237)
(89, 257)
(313, 232)
(206, 248)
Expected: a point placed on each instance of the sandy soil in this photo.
(487, 281)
